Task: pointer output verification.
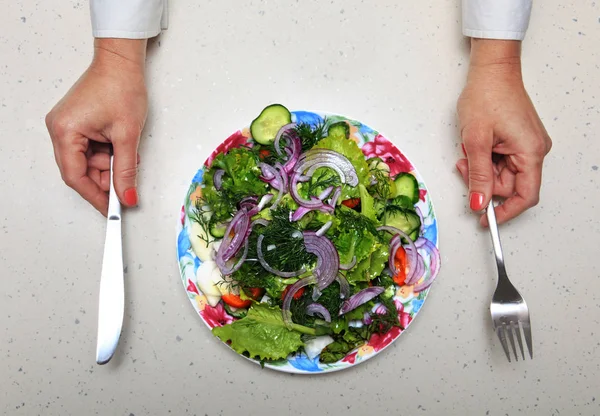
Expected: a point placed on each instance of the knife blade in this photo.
(112, 292)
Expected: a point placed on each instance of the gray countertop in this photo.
(397, 66)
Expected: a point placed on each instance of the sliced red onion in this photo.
(411, 251)
(248, 203)
(316, 293)
(336, 195)
(287, 300)
(268, 268)
(367, 320)
(320, 309)
(280, 134)
(314, 202)
(350, 265)
(328, 260)
(302, 211)
(258, 207)
(218, 179)
(235, 267)
(344, 286)
(314, 159)
(419, 270)
(420, 214)
(379, 309)
(234, 237)
(282, 184)
(325, 193)
(434, 263)
(259, 221)
(360, 298)
(321, 231)
(293, 152)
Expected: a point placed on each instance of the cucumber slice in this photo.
(407, 185)
(405, 220)
(217, 229)
(265, 127)
(339, 130)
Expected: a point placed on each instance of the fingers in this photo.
(125, 167)
(478, 143)
(74, 171)
(527, 193)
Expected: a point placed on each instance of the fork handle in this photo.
(493, 225)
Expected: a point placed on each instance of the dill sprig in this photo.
(201, 214)
(310, 135)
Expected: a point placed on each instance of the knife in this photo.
(112, 292)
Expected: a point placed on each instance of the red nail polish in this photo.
(464, 150)
(131, 197)
(476, 201)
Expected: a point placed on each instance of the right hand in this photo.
(107, 105)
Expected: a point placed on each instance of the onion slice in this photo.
(321, 231)
(234, 237)
(320, 309)
(360, 298)
(218, 179)
(328, 260)
(314, 159)
(268, 268)
(287, 300)
(348, 266)
(434, 263)
(344, 286)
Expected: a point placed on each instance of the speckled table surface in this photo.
(398, 66)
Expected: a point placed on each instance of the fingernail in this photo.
(464, 150)
(131, 197)
(476, 201)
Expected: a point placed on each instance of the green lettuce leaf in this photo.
(262, 334)
(355, 235)
(371, 267)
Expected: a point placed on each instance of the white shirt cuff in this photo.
(496, 19)
(129, 19)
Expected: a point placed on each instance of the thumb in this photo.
(125, 168)
(478, 145)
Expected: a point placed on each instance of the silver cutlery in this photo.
(509, 311)
(112, 292)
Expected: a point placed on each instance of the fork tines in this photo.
(508, 330)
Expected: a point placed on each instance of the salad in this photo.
(304, 240)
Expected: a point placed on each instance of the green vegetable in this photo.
(241, 179)
(371, 267)
(262, 334)
(404, 219)
(339, 130)
(355, 235)
(407, 185)
(265, 127)
(217, 229)
(366, 203)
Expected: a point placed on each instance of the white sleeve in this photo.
(496, 19)
(129, 19)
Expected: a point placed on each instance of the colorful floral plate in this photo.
(407, 301)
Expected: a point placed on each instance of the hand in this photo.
(106, 106)
(503, 138)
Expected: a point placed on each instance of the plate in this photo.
(408, 303)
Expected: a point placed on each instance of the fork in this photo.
(509, 310)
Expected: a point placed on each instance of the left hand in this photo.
(504, 139)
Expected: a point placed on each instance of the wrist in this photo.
(127, 54)
(498, 58)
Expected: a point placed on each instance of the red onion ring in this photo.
(321, 231)
(314, 159)
(268, 268)
(302, 211)
(283, 130)
(230, 245)
(320, 309)
(328, 260)
(350, 265)
(419, 270)
(434, 263)
(344, 286)
(360, 298)
(336, 195)
(218, 179)
(287, 300)
(239, 262)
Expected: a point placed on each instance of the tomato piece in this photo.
(296, 296)
(400, 263)
(254, 292)
(235, 301)
(351, 203)
(263, 153)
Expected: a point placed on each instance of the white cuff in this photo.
(129, 19)
(496, 19)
